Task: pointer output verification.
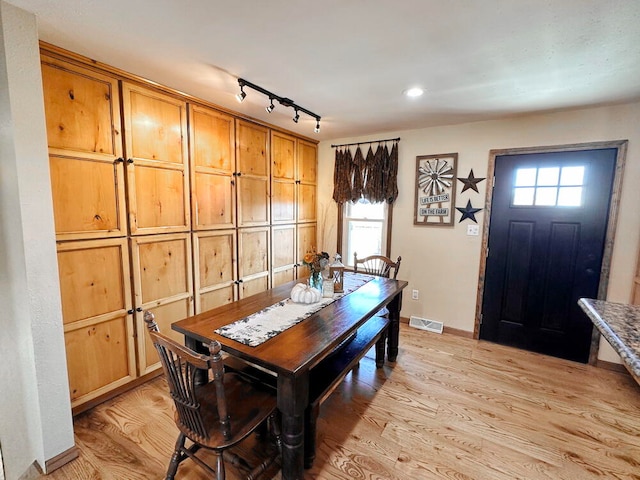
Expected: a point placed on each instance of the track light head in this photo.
(317, 129)
(270, 108)
(241, 95)
(296, 117)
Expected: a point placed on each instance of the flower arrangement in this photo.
(316, 261)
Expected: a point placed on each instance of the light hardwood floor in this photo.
(450, 408)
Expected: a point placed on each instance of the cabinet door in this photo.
(283, 254)
(307, 162)
(253, 260)
(307, 165)
(213, 164)
(98, 330)
(307, 242)
(162, 279)
(215, 268)
(82, 112)
(252, 175)
(156, 151)
(283, 181)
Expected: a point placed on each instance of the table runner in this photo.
(259, 327)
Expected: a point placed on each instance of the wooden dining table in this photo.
(292, 354)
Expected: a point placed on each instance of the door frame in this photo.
(621, 146)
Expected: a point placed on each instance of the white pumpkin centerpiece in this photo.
(302, 293)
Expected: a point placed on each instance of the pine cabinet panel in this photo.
(283, 181)
(253, 259)
(215, 268)
(83, 129)
(96, 296)
(94, 279)
(283, 276)
(163, 282)
(283, 150)
(306, 240)
(254, 285)
(307, 162)
(216, 298)
(283, 255)
(159, 199)
(157, 166)
(252, 175)
(82, 109)
(165, 315)
(283, 202)
(307, 206)
(212, 168)
(99, 358)
(88, 197)
(162, 267)
(253, 201)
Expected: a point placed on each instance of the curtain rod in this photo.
(365, 143)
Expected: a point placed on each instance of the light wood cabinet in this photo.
(98, 327)
(283, 178)
(83, 129)
(252, 174)
(307, 173)
(162, 279)
(161, 205)
(213, 165)
(214, 253)
(253, 260)
(157, 159)
(306, 242)
(283, 239)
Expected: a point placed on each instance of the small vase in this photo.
(315, 280)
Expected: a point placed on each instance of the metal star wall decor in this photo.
(468, 212)
(471, 182)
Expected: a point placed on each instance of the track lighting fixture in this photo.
(287, 102)
(241, 95)
(270, 108)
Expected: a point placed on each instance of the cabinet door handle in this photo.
(119, 160)
(240, 281)
(129, 160)
(130, 311)
(139, 309)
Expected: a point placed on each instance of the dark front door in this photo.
(546, 239)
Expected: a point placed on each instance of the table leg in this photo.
(394, 327)
(293, 396)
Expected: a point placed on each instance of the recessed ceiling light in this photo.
(414, 92)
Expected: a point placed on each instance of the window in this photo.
(364, 229)
(549, 186)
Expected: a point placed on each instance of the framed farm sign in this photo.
(435, 189)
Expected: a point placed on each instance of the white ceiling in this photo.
(350, 60)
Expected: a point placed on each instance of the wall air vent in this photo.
(424, 324)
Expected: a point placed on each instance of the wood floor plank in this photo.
(449, 408)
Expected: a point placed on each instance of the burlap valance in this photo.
(373, 178)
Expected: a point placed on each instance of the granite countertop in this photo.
(619, 323)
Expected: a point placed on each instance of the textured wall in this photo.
(443, 263)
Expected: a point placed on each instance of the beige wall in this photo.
(443, 263)
(35, 409)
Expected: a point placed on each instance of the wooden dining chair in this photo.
(218, 414)
(378, 265)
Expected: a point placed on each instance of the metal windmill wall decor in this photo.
(435, 189)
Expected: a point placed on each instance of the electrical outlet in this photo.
(414, 294)
(473, 230)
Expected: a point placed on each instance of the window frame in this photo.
(343, 223)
